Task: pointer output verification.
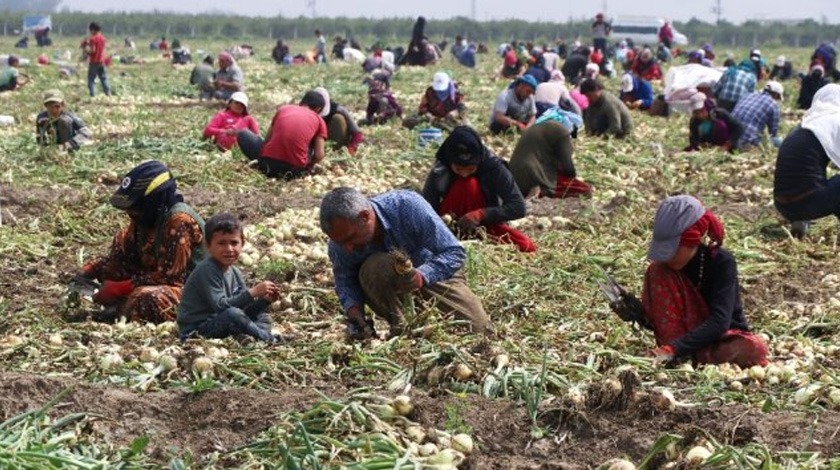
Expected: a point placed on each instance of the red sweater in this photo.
(225, 120)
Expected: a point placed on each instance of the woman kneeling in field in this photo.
(144, 272)
(690, 296)
(474, 186)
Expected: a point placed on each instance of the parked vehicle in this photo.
(643, 30)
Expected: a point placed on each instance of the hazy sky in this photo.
(735, 11)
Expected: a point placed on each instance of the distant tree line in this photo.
(395, 30)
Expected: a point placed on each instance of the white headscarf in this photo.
(823, 119)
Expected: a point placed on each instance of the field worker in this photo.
(666, 34)
(229, 78)
(342, 129)
(474, 186)
(382, 106)
(635, 92)
(280, 53)
(757, 110)
(551, 60)
(759, 65)
(320, 50)
(645, 66)
(10, 77)
(690, 297)
(59, 127)
(537, 69)
(202, 77)
(782, 70)
(592, 71)
(826, 55)
(606, 114)
(801, 189)
(95, 49)
(226, 124)
(515, 107)
(811, 83)
(600, 32)
(574, 67)
(711, 126)
(442, 105)
(511, 66)
(467, 56)
(735, 83)
(294, 142)
(143, 274)
(555, 93)
(542, 164)
(363, 234)
(216, 303)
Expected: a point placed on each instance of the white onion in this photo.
(416, 434)
(462, 371)
(402, 405)
(167, 362)
(202, 365)
(56, 339)
(149, 354)
(462, 443)
(428, 449)
(697, 455)
(621, 464)
(110, 361)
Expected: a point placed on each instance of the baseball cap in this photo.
(674, 215)
(239, 97)
(53, 96)
(441, 81)
(775, 87)
(140, 182)
(626, 83)
(326, 95)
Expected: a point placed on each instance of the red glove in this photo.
(410, 284)
(112, 291)
(469, 221)
(663, 353)
(89, 270)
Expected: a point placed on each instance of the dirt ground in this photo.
(222, 419)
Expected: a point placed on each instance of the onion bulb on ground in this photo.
(698, 455)
(416, 434)
(202, 365)
(462, 372)
(428, 449)
(402, 405)
(620, 464)
(148, 354)
(664, 399)
(462, 443)
(167, 362)
(110, 361)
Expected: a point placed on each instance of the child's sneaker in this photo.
(355, 140)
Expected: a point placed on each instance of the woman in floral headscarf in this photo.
(711, 126)
(690, 297)
(476, 188)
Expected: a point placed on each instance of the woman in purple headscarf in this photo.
(711, 126)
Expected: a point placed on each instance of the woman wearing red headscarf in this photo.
(474, 186)
(690, 296)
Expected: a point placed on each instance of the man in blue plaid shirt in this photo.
(757, 110)
(734, 84)
(364, 236)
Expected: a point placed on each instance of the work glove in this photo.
(470, 221)
(409, 283)
(358, 327)
(112, 291)
(629, 308)
(663, 354)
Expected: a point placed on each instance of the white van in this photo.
(642, 30)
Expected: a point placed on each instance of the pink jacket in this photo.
(225, 120)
